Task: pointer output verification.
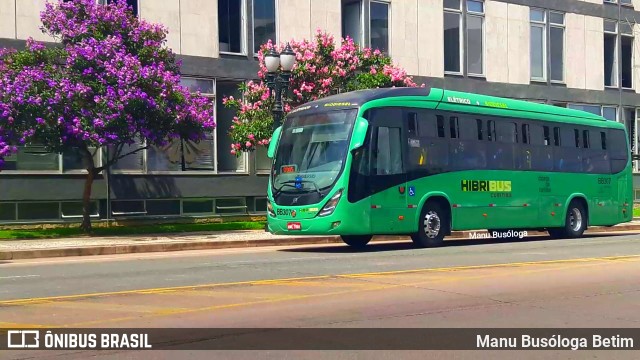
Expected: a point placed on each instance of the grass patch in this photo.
(130, 230)
(636, 212)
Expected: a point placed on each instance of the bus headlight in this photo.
(330, 206)
(272, 213)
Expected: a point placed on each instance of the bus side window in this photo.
(603, 140)
(576, 132)
(388, 155)
(547, 136)
(585, 139)
(454, 127)
(440, 121)
(618, 150)
(479, 127)
(491, 130)
(413, 124)
(556, 136)
(525, 133)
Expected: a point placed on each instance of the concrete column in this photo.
(594, 53)
(430, 38)
(8, 19)
(496, 49)
(518, 44)
(28, 20)
(199, 27)
(403, 29)
(575, 51)
(167, 13)
(326, 15)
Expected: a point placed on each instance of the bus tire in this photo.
(575, 223)
(432, 227)
(356, 241)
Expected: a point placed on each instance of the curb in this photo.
(213, 245)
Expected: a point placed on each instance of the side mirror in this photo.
(359, 133)
(273, 145)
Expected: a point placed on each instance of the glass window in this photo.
(131, 162)
(547, 136)
(163, 207)
(525, 134)
(412, 120)
(475, 40)
(452, 4)
(352, 21)
(610, 113)
(537, 15)
(263, 162)
(379, 26)
(7, 211)
(128, 207)
(610, 53)
(556, 53)
(491, 130)
(452, 43)
(74, 209)
(196, 206)
(389, 154)
(264, 23)
(626, 61)
(204, 86)
(73, 159)
(475, 6)
(538, 69)
(260, 205)
(576, 134)
(231, 25)
(440, 122)
(586, 143)
(479, 128)
(231, 206)
(32, 158)
(165, 158)
(603, 140)
(594, 109)
(556, 136)
(454, 127)
(227, 162)
(39, 211)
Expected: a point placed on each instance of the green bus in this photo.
(424, 162)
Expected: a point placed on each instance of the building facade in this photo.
(573, 53)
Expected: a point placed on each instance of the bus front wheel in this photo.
(575, 223)
(356, 241)
(432, 228)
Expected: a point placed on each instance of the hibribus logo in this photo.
(485, 185)
(510, 234)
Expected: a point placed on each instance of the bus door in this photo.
(388, 187)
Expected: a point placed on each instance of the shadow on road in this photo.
(398, 245)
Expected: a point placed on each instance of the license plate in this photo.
(294, 226)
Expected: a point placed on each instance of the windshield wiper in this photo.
(291, 183)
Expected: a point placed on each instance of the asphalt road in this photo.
(592, 282)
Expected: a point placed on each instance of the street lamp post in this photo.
(279, 82)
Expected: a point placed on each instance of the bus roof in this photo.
(462, 101)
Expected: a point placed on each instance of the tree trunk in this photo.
(86, 195)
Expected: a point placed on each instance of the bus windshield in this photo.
(312, 150)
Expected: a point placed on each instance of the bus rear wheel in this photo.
(575, 223)
(356, 241)
(432, 228)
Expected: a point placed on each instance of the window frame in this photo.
(562, 26)
(622, 35)
(482, 17)
(461, 44)
(243, 31)
(616, 53)
(542, 25)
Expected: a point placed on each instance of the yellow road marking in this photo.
(101, 306)
(376, 286)
(11, 325)
(30, 301)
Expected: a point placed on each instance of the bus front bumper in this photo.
(331, 225)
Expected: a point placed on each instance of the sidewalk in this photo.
(87, 246)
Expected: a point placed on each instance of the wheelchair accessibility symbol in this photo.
(412, 191)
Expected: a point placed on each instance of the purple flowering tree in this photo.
(111, 82)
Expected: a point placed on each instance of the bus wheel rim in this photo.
(575, 219)
(431, 224)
